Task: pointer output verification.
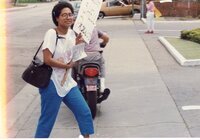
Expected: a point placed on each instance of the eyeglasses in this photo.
(67, 15)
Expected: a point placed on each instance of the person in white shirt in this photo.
(150, 16)
(58, 54)
(94, 51)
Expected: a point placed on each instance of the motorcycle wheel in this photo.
(92, 102)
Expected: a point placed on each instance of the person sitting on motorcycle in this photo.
(94, 51)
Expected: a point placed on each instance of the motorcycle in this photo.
(87, 76)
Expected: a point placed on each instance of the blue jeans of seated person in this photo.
(50, 104)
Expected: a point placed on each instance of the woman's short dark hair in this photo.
(58, 8)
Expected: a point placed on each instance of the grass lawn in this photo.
(188, 49)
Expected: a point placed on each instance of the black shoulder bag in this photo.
(38, 73)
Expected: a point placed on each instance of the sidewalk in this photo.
(139, 105)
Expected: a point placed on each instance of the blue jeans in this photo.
(50, 104)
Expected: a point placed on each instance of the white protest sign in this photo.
(78, 52)
(87, 17)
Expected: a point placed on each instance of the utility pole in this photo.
(143, 7)
(133, 12)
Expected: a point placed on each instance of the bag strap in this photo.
(57, 37)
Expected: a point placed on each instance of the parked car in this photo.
(117, 8)
(76, 5)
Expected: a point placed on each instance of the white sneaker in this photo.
(102, 84)
(80, 137)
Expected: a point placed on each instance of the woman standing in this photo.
(62, 88)
(150, 16)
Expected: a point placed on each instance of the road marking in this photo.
(191, 107)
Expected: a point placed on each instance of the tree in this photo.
(15, 2)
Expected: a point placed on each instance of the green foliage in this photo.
(192, 35)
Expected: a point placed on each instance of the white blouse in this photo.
(61, 78)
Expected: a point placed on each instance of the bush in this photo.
(192, 35)
(184, 34)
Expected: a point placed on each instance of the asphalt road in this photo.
(25, 32)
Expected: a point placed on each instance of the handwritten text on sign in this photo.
(87, 17)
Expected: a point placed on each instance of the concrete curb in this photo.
(144, 20)
(180, 59)
(136, 16)
(181, 21)
(20, 103)
(18, 8)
